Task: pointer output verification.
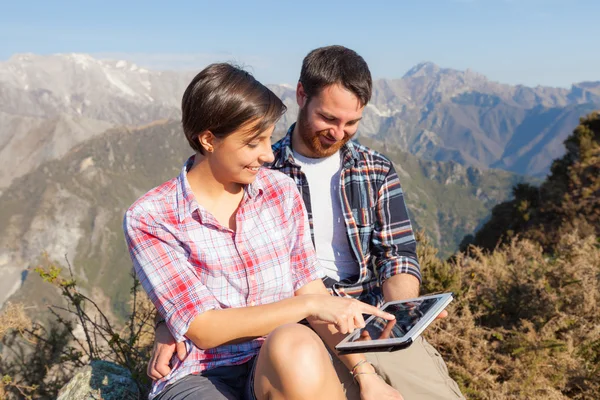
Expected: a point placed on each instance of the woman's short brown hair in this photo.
(222, 98)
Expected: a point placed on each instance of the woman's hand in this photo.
(345, 313)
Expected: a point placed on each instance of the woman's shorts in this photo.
(235, 382)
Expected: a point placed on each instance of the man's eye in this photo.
(253, 145)
(326, 118)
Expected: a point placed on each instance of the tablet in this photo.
(412, 317)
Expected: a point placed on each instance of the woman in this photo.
(225, 254)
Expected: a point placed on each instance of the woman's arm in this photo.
(233, 325)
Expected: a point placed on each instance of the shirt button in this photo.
(252, 278)
(252, 303)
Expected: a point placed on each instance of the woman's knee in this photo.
(297, 351)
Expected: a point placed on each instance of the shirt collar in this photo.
(256, 188)
(186, 201)
(348, 152)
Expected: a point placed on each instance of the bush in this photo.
(43, 357)
(524, 324)
(568, 200)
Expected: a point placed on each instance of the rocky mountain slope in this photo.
(74, 206)
(435, 113)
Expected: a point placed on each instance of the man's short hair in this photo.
(222, 98)
(336, 65)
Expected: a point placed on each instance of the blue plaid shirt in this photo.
(377, 222)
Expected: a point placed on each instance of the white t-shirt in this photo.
(331, 241)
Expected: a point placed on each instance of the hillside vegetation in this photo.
(568, 200)
(525, 323)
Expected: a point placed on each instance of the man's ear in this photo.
(207, 141)
(301, 97)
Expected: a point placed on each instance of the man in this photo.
(359, 222)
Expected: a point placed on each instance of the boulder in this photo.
(100, 380)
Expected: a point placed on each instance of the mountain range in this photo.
(81, 139)
(50, 103)
(74, 205)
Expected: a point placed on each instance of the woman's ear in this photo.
(206, 140)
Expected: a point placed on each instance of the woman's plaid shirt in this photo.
(377, 221)
(189, 263)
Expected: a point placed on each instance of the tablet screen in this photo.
(407, 316)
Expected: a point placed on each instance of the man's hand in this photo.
(162, 352)
(402, 287)
(373, 387)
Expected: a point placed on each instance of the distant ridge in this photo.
(433, 112)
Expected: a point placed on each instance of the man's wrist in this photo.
(158, 323)
(363, 377)
(361, 369)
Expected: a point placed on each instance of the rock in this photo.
(100, 380)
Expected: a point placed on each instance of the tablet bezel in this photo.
(345, 346)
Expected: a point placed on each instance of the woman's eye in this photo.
(253, 145)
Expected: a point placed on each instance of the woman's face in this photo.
(238, 157)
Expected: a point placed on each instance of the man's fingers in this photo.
(443, 314)
(163, 357)
(364, 336)
(181, 351)
(162, 369)
(153, 374)
(387, 330)
(151, 371)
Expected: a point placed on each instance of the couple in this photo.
(226, 251)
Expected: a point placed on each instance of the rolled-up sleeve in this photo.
(161, 265)
(393, 240)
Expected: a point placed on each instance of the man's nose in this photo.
(337, 133)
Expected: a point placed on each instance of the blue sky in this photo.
(546, 42)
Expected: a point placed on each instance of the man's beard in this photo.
(311, 140)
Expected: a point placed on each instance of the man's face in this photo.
(326, 122)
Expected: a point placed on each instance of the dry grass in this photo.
(13, 317)
(524, 324)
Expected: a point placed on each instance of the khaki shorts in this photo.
(417, 372)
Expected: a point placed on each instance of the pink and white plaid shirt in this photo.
(189, 263)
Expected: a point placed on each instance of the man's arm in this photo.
(401, 287)
(393, 242)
